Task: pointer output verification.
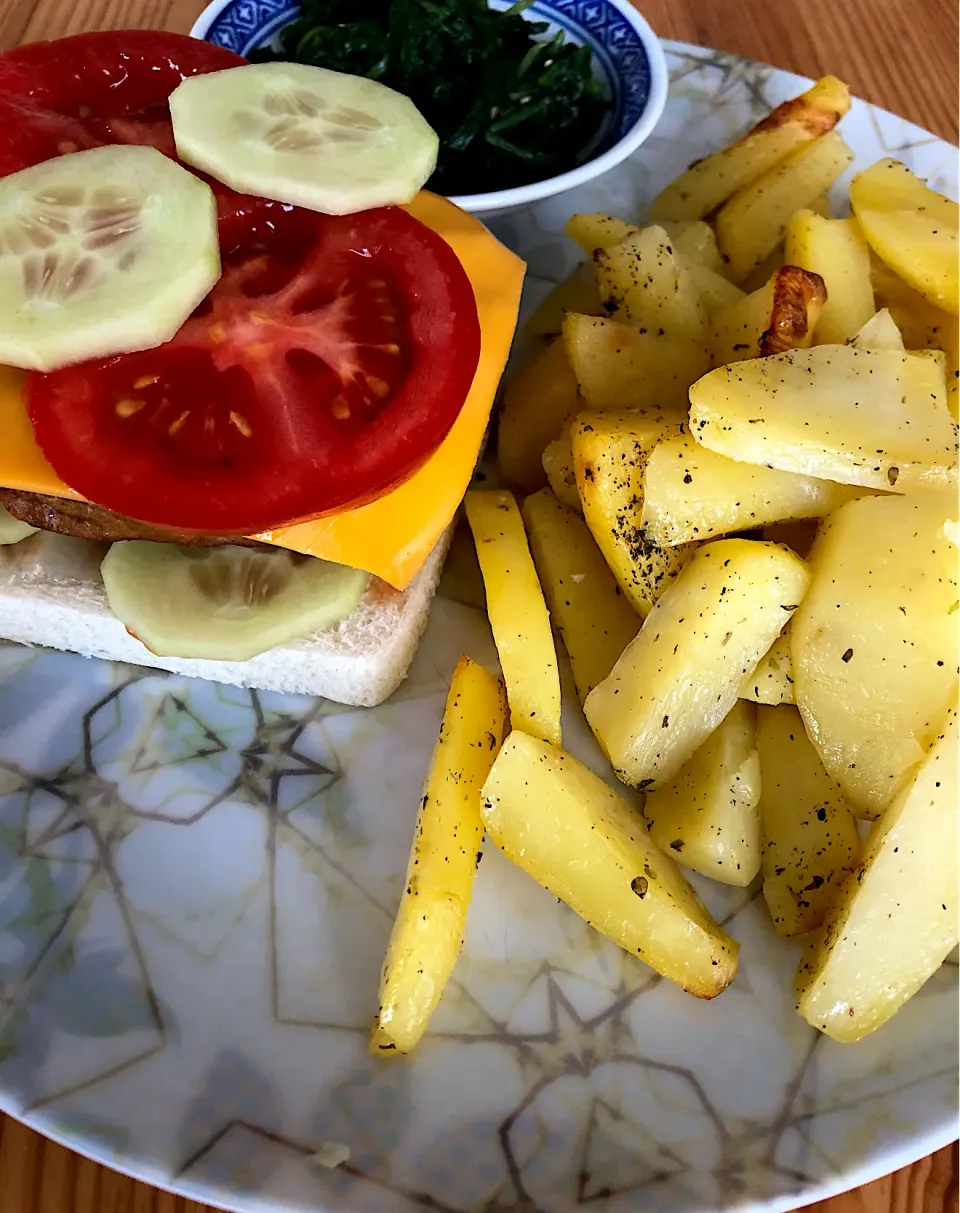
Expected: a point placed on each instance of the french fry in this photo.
(810, 837)
(792, 125)
(696, 243)
(879, 333)
(593, 232)
(912, 228)
(691, 493)
(539, 398)
(618, 368)
(779, 316)
(715, 291)
(558, 465)
(708, 814)
(754, 221)
(643, 283)
(681, 676)
(561, 823)
(874, 643)
(576, 293)
(835, 250)
(877, 418)
(610, 451)
(771, 682)
(517, 613)
(428, 931)
(895, 919)
(591, 613)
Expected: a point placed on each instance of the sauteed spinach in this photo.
(508, 109)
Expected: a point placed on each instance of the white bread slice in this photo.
(51, 594)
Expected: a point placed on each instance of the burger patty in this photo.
(83, 520)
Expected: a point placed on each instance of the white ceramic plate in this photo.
(197, 883)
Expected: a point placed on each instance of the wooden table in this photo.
(896, 53)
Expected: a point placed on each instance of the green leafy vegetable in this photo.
(508, 109)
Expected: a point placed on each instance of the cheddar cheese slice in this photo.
(392, 536)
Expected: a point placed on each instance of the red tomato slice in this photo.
(30, 134)
(327, 364)
(109, 86)
(108, 73)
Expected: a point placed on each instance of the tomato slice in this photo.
(108, 73)
(108, 86)
(327, 364)
(30, 134)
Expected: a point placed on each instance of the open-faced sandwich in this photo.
(240, 401)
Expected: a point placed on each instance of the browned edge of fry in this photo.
(798, 297)
(814, 119)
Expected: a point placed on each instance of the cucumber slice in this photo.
(224, 604)
(101, 252)
(304, 135)
(12, 530)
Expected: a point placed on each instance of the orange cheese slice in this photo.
(392, 536)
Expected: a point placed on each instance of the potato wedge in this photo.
(792, 125)
(696, 242)
(610, 451)
(895, 919)
(912, 228)
(779, 316)
(681, 676)
(835, 250)
(876, 418)
(810, 838)
(558, 465)
(576, 293)
(581, 841)
(691, 493)
(428, 931)
(517, 613)
(598, 231)
(754, 221)
(617, 367)
(539, 398)
(716, 293)
(879, 333)
(644, 284)
(922, 325)
(771, 682)
(708, 815)
(591, 613)
(874, 643)
(941, 360)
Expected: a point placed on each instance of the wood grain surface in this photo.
(901, 54)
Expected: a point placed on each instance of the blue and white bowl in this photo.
(627, 59)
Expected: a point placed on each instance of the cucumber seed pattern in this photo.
(301, 121)
(71, 239)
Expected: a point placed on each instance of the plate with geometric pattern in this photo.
(197, 884)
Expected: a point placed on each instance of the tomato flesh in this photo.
(327, 364)
(107, 86)
(107, 73)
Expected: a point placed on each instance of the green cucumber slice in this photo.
(227, 603)
(12, 530)
(304, 135)
(101, 252)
